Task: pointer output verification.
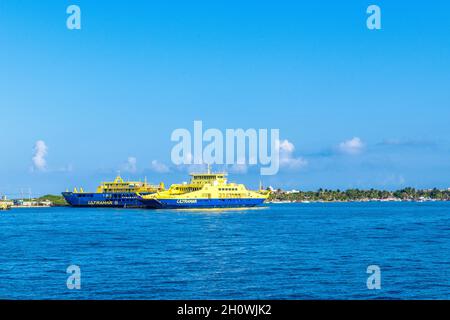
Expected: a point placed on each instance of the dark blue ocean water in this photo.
(283, 251)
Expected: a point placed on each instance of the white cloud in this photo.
(286, 146)
(353, 146)
(159, 167)
(40, 152)
(131, 165)
(287, 159)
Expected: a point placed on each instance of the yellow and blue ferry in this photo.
(205, 190)
(117, 193)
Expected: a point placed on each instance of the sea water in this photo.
(280, 251)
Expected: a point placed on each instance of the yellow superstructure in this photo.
(121, 186)
(4, 206)
(208, 186)
(117, 193)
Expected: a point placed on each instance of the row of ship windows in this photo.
(196, 189)
(207, 177)
(109, 196)
(119, 195)
(230, 195)
(188, 189)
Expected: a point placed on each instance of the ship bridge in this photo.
(208, 178)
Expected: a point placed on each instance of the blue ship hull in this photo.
(115, 200)
(200, 203)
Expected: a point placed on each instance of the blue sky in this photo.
(361, 108)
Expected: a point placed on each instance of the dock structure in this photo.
(6, 203)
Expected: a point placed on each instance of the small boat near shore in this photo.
(4, 206)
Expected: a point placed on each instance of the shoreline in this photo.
(355, 201)
(31, 207)
(268, 202)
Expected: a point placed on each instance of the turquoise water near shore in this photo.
(281, 251)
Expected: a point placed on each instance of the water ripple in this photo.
(295, 251)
